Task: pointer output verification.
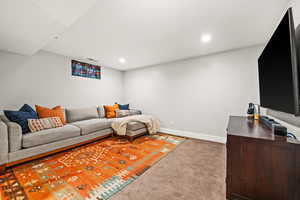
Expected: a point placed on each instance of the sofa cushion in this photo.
(92, 125)
(135, 126)
(111, 120)
(49, 136)
(79, 114)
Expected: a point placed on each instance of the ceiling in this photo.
(143, 32)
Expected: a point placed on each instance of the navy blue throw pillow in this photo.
(27, 108)
(124, 107)
(20, 117)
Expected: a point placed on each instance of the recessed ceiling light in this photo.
(122, 60)
(206, 38)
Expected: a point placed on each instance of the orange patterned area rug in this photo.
(92, 172)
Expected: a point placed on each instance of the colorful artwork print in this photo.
(86, 70)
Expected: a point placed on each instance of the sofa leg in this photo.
(2, 169)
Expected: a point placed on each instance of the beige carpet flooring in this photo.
(196, 170)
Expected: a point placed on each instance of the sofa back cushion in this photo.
(79, 114)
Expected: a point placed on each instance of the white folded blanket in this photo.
(152, 123)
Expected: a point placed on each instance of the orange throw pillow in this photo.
(110, 111)
(47, 112)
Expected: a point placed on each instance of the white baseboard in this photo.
(200, 136)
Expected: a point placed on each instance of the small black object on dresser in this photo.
(277, 129)
(268, 122)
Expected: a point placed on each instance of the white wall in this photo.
(197, 95)
(45, 79)
(295, 4)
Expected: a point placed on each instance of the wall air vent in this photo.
(92, 59)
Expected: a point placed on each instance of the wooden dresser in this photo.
(261, 166)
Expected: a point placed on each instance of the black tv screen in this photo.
(278, 69)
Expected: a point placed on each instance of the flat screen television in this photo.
(278, 69)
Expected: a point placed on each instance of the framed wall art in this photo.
(85, 70)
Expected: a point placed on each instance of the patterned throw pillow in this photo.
(45, 123)
(125, 113)
(47, 112)
(135, 112)
(122, 113)
(110, 111)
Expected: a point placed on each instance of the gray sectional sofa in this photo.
(83, 126)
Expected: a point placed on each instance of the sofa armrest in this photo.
(3, 143)
(14, 136)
